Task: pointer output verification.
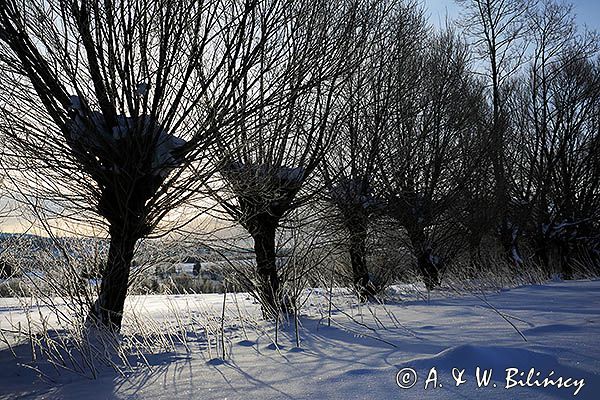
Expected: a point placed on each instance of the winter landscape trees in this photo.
(128, 109)
(351, 170)
(472, 145)
(277, 147)
(111, 107)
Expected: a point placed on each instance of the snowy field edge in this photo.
(441, 342)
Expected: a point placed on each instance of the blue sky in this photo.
(588, 11)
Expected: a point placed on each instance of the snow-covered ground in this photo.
(360, 355)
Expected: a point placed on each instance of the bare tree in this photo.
(350, 169)
(110, 108)
(430, 155)
(279, 145)
(556, 113)
(498, 28)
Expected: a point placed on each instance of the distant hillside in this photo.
(26, 243)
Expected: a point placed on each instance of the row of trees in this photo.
(118, 112)
(463, 140)
(121, 112)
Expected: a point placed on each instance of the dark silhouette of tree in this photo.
(112, 106)
(267, 169)
(498, 28)
(430, 153)
(555, 111)
(350, 169)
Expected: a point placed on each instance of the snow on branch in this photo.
(353, 191)
(89, 132)
(263, 174)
